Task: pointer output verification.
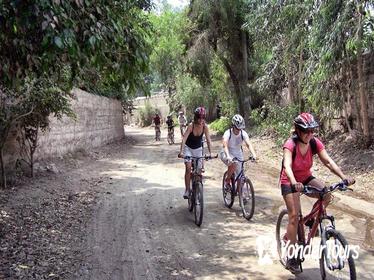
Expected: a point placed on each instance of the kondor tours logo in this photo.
(267, 250)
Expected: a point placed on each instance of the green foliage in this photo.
(147, 113)
(169, 34)
(189, 93)
(108, 38)
(221, 125)
(220, 90)
(275, 119)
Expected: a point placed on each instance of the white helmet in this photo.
(238, 121)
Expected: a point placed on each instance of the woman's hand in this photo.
(298, 186)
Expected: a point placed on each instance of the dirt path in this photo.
(141, 228)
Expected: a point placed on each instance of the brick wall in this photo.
(98, 121)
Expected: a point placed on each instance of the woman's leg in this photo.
(292, 201)
(320, 185)
(187, 176)
(230, 170)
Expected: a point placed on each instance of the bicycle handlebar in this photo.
(206, 157)
(252, 159)
(341, 186)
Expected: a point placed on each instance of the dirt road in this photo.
(141, 228)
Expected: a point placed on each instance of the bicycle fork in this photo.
(335, 248)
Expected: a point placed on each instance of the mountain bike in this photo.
(242, 186)
(196, 196)
(335, 254)
(171, 135)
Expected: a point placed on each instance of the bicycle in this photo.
(328, 231)
(196, 196)
(242, 186)
(171, 135)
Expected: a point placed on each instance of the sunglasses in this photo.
(307, 130)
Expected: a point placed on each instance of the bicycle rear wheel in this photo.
(247, 199)
(336, 260)
(281, 236)
(228, 194)
(199, 203)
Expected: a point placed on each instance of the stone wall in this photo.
(98, 121)
(158, 101)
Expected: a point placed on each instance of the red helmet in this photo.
(199, 112)
(305, 121)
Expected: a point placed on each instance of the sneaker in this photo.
(293, 266)
(186, 194)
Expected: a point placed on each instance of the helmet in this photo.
(305, 121)
(238, 121)
(199, 112)
(181, 113)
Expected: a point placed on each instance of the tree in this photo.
(168, 47)
(218, 24)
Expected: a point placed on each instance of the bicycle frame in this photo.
(318, 212)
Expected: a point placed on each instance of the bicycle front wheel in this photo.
(281, 236)
(199, 203)
(247, 199)
(228, 194)
(336, 260)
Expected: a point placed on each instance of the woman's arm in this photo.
(185, 136)
(287, 164)
(207, 136)
(250, 148)
(330, 164)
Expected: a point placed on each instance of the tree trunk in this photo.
(362, 88)
(291, 88)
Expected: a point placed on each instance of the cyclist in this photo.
(157, 122)
(296, 172)
(192, 144)
(182, 122)
(170, 124)
(232, 140)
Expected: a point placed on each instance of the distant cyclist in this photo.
(157, 123)
(182, 120)
(192, 144)
(232, 140)
(170, 124)
(296, 172)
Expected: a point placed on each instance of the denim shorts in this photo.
(287, 189)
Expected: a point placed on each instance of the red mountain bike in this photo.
(336, 258)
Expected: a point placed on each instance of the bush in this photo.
(146, 114)
(221, 125)
(272, 117)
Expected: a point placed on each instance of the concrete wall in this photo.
(98, 121)
(158, 101)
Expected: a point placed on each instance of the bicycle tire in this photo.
(247, 199)
(326, 235)
(191, 199)
(199, 204)
(282, 217)
(228, 196)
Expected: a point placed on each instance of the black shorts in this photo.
(286, 189)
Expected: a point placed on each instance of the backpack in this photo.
(241, 133)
